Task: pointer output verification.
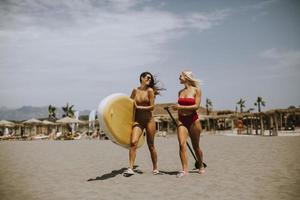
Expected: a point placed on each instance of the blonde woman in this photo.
(189, 99)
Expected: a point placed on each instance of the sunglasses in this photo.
(148, 77)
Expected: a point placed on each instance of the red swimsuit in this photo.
(187, 120)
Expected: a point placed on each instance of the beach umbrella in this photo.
(33, 122)
(74, 126)
(157, 120)
(5, 123)
(68, 120)
(92, 117)
(46, 122)
(6, 132)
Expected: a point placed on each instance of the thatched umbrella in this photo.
(68, 120)
(5, 123)
(47, 124)
(34, 122)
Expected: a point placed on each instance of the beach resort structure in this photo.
(269, 122)
(261, 123)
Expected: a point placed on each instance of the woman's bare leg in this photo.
(182, 137)
(135, 135)
(195, 131)
(150, 131)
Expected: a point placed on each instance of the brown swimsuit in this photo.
(142, 117)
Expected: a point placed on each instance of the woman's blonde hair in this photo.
(191, 78)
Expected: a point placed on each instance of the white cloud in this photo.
(206, 21)
(53, 44)
(282, 58)
(263, 4)
(122, 5)
(259, 15)
(258, 10)
(85, 32)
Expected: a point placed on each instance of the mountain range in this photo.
(28, 112)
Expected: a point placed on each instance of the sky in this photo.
(80, 51)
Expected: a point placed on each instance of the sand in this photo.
(241, 167)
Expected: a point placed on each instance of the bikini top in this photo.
(186, 101)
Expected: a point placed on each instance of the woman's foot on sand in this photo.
(201, 170)
(128, 172)
(182, 174)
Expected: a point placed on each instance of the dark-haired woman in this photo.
(144, 97)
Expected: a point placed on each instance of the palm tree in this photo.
(241, 103)
(259, 102)
(250, 110)
(208, 106)
(68, 110)
(249, 121)
(51, 112)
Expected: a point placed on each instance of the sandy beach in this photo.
(242, 167)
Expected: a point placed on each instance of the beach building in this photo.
(263, 123)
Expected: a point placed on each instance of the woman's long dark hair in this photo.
(153, 83)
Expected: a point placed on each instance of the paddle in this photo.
(197, 165)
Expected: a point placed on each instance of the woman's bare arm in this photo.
(133, 94)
